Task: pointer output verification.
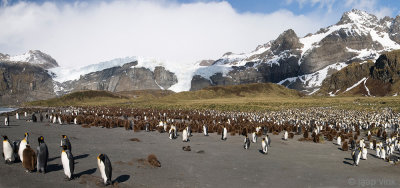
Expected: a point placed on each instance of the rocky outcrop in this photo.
(381, 78)
(22, 82)
(125, 78)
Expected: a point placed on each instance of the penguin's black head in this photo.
(101, 157)
(26, 134)
(41, 139)
(64, 136)
(5, 137)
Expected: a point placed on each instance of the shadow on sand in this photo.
(81, 156)
(52, 159)
(54, 167)
(88, 172)
(122, 178)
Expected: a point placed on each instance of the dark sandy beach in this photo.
(211, 163)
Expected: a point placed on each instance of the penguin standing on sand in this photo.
(42, 155)
(254, 137)
(205, 130)
(7, 120)
(16, 115)
(268, 140)
(371, 145)
(224, 133)
(185, 135)
(8, 151)
(172, 133)
(364, 153)
(264, 146)
(65, 142)
(285, 135)
(339, 140)
(383, 153)
(29, 157)
(34, 118)
(104, 164)
(22, 146)
(189, 130)
(356, 154)
(378, 152)
(41, 117)
(67, 160)
(246, 142)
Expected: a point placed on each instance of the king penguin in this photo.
(383, 153)
(42, 155)
(205, 130)
(7, 120)
(16, 115)
(378, 152)
(67, 160)
(8, 151)
(268, 139)
(185, 135)
(264, 146)
(285, 135)
(104, 164)
(246, 142)
(364, 153)
(254, 137)
(29, 157)
(339, 140)
(22, 146)
(224, 133)
(356, 154)
(65, 142)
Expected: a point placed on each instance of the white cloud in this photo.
(78, 34)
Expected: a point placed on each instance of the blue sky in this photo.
(269, 6)
(78, 33)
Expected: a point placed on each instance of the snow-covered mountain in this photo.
(302, 63)
(34, 57)
(358, 36)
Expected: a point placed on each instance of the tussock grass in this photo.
(251, 97)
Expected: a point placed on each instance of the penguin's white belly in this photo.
(22, 146)
(339, 141)
(184, 135)
(8, 151)
(102, 169)
(65, 163)
(371, 146)
(383, 154)
(204, 130)
(225, 132)
(364, 153)
(264, 146)
(358, 159)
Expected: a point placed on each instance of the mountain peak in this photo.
(35, 57)
(358, 17)
(288, 40)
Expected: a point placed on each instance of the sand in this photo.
(210, 163)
